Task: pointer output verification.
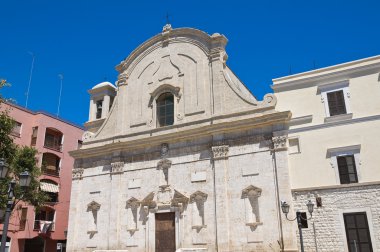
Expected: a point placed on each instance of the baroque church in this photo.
(180, 156)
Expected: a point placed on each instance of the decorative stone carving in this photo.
(165, 88)
(164, 150)
(93, 206)
(220, 152)
(117, 167)
(279, 142)
(165, 34)
(122, 79)
(77, 173)
(87, 135)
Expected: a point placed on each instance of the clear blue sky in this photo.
(85, 40)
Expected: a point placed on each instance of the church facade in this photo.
(180, 156)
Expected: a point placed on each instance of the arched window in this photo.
(165, 109)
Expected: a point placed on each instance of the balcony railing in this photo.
(54, 146)
(38, 225)
(50, 171)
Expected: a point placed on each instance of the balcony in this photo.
(50, 164)
(43, 226)
(53, 139)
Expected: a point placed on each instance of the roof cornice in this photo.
(328, 74)
(215, 125)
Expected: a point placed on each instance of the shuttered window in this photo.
(347, 169)
(24, 213)
(336, 103)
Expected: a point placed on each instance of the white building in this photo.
(334, 138)
(180, 156)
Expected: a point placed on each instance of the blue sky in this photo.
(85, 40)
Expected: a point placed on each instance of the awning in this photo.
(49, 187)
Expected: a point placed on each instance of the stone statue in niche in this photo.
(197, 201)
(93, 209)
(251, 196)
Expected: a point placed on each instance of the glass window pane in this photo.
(352, 235)
(353, 178)
(361, 221)
(344, 179)
(350, 221)
(363, 235)
(365, 247)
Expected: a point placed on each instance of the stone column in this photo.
(106, 105)
(220, 166)
(280, 162)
(92, 111)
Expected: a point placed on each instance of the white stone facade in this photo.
(326, 229)
(318, 138)
(221, 168)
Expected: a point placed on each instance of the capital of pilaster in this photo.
(220, 152)
(77, 173)
(122, 79)
(117, 167)
(279, 142)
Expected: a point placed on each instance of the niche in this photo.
(132, 207)
(251, 196)
(93, 209)
(197, 201)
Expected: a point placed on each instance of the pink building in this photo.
(46, 230)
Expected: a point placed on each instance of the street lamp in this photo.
(285, 209)
(24, 180)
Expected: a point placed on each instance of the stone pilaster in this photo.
(280, 163)
(220, 166)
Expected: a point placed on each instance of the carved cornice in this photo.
(165, 88)
(117, 167)
(279, 142)
(198, 196)
(220, 152)
(93, 206)
(251, 191)
(221, 124)
(77, 173)
(133, 203)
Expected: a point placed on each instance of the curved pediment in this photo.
(191, 66)
(190, 35)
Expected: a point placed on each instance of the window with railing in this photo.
(44, 220)
(53, 139)
(50, 164)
